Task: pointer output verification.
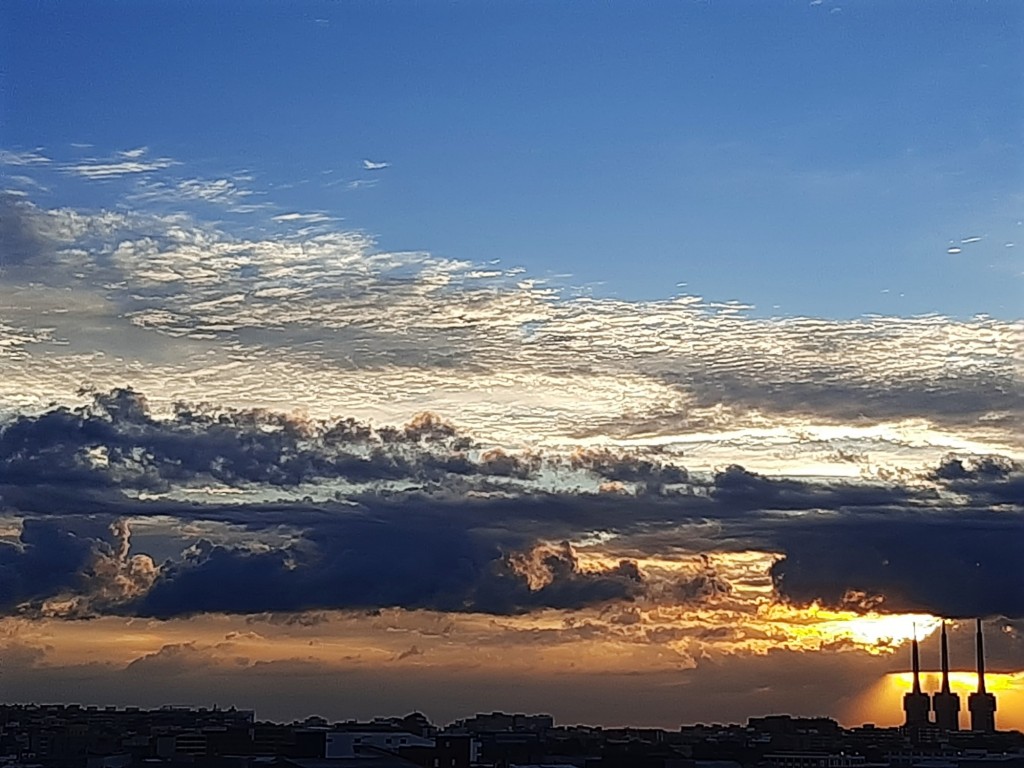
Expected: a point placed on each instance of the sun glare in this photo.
(878, 629)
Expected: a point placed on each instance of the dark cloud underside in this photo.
(458, 542)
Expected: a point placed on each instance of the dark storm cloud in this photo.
(77, 465)
(46, 560)
(947, 543)
(369, 564)
(737, 489)
(941, 563)
(233, 447)
(448, 555)
(1004, 645)
(864, 546)
(341, 557)
(956, 562)
(994, 479)
(650, 475)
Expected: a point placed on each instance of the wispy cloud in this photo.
(31, 157)
(126, 163)
(361, 183)
(27, 182)
(224, 192)
(107, 170)
(303, 218)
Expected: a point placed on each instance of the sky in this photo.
(642, 364)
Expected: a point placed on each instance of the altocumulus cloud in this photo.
(240, 320)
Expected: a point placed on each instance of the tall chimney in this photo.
(915, 703)
(945, 660)
(945, 703)
(915, 658)
(981, 657)
(982, 704)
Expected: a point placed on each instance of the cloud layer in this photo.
(190, 311)
(421, 517)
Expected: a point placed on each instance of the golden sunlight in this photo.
(815, 627)
(875, 629)
(882, 703)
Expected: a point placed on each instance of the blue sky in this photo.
(805, 158)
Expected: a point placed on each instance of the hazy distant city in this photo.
(74, 736)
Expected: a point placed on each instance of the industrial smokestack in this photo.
(915, 658)
(945, 703)
(916, 704)
(945, 660)
(981, 703)
(981, 658)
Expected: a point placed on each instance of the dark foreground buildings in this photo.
(72, 736)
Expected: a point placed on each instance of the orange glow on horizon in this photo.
(882, 704)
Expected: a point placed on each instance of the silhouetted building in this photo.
(981, 703)
(916, 704)
(945, 703)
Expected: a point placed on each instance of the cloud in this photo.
(102, 171)
(409, 653)
(304, 218)
(361, 183)
(366, 564)
(114, 442)
(127, 163)
(649, 473)
(709, 429)
(943, 562)
(46, 560)
(32, 157)
(326, 307)
(434, 522)
(350, 560)
(20, 239)
(224, 192)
